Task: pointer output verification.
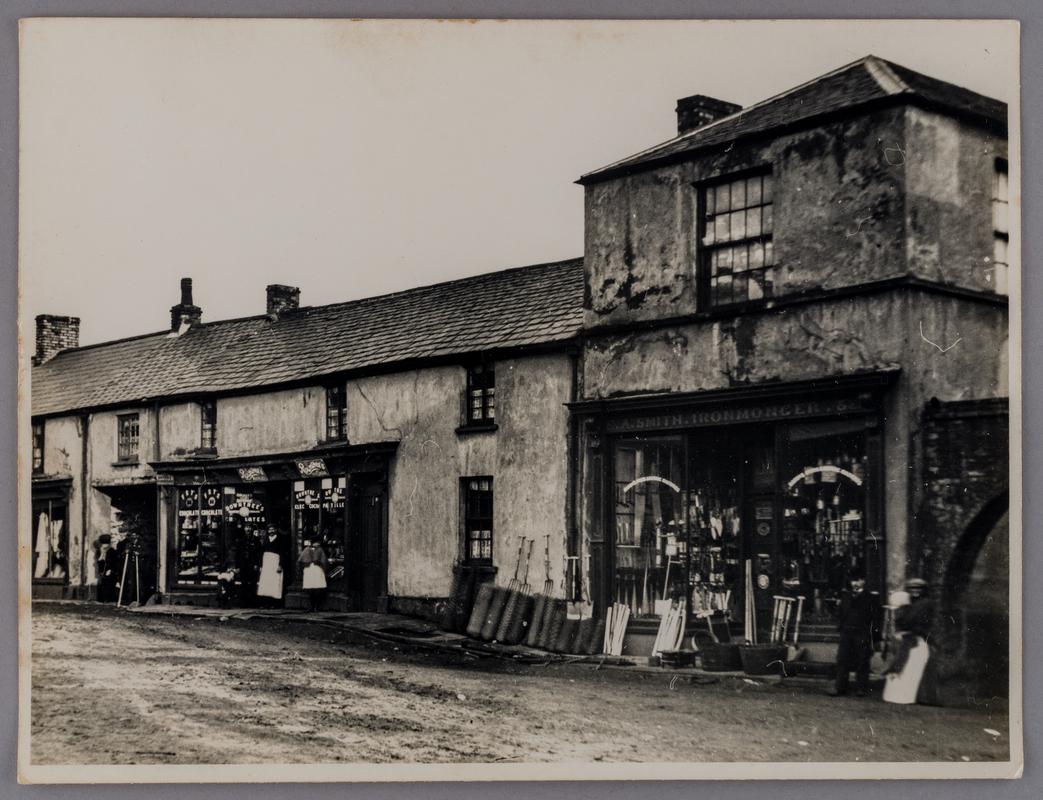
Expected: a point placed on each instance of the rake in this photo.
(522, 613)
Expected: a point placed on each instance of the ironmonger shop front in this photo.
(215, 514)
(681, 490)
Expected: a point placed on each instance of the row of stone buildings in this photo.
(780, 316)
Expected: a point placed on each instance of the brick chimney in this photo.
(185, 312)
(282, 298)
(54, 334)
(699, 110)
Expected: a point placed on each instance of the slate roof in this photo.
(520, 307)
(867, 81)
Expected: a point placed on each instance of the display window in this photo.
(200, 545)
(319, 515)
(690, 509)
(50, 541)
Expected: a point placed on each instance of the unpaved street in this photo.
(111, 687)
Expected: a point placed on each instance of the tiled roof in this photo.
(868, 80)
(513, 308)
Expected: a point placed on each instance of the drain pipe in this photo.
(85, 427)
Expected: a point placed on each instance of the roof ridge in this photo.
(736, 115)
(885, 77)
(339, 304)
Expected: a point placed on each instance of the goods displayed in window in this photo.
(50, 547)
(693, 511)
(319, 517)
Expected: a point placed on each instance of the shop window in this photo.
(50, 541)
(37, 448)
(481, 395)
(200, 539)
(319, 516)
(737, 257)
(997, 273)
(127, 432)
(822, 540)
(208, 425)
(478, 520)
(650, 541)
(336, 413)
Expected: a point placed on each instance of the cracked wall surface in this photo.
(526, 457)
(892, 192)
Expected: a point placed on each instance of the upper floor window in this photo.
(208, 424)
(127, 437)
(336, 413)
(481, 394)
(997, 274)
(737, 260)
(478, 519)
(37, 447)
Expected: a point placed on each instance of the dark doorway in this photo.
(367, 542)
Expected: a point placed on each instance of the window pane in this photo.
(708, 233)
(766, 192)
(769, 282)
(721, 227)
(738, 225)
(724, 289)
(753, 191)
(724, 261)
(739, 259)
(709, 196)
(753, 222)
(723, 202)
(769, 253)
(756, 286)
(767, 221)
(756, 255)
(738, 194)
(999, 217)
(739, 287)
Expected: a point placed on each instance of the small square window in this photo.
(481, 395)
(336, 413)
(127, 437)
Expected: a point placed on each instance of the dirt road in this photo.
(111, 687)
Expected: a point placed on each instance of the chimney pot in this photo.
(54, 334)
(185, 312)
(282, 298)
(698, 110)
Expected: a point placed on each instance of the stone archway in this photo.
(975, 601)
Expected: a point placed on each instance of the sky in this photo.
(355, 158)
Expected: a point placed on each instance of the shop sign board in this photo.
(735, 414)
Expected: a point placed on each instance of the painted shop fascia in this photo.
(770, 409)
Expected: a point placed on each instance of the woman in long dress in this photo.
(270, 584)
(313, 580)
(905, 680)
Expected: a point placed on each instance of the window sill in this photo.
(333, 442)
(126, 462)
(478, 427)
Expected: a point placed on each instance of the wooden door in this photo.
(367, 536)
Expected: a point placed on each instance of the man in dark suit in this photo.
(859, 628)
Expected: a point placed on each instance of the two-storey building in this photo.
(774, 297)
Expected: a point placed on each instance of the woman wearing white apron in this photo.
(270, 583)
(313, 578)
(905, 676)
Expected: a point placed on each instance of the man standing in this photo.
(859, 633)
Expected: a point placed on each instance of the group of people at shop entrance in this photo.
(909, 677)
(264, 581)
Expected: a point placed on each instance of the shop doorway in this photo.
(367, 542)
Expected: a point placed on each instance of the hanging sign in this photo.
(252, 474)
(312, 467)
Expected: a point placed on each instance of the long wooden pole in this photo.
(123, 578)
